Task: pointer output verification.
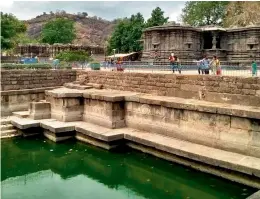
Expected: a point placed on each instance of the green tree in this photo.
(200, 13)
(74, 56)
(137, 25)
(120, 37)
(23, 38)
(59, 30)
(10, 28)
(157, 18)
(127, 34)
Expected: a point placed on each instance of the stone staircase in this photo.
(7, 129)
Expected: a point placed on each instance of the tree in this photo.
(136, 30)
(59, 30)
(157, 18)
(74, 56)
(23, 38)
(241, 13)
(201, 13)
(119, 39)
(10, 28)
(127, 34)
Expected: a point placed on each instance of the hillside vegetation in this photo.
(89, 30)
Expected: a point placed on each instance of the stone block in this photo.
(53, 137)
(255, 139)
(236, 136)
(40, 110)
(240, 123)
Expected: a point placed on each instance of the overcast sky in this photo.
(105, 9)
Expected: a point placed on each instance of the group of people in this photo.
(205, 65)
(114, 63)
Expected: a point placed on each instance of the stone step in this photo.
(5, 127)
(211, 156)
(10, 133)
(21, 114)
(5, 121)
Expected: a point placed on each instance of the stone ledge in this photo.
(27, 91)
(233, 161)
(26, 123)
(107, 95)
(64, 93)
(196, 105)
(77, 86)
(100, 133)
(57, 126)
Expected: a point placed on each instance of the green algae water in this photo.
(40, 169)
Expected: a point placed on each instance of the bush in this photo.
(69, 56)
(64, 65)
(9, 66)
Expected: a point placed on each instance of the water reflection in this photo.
(39, 168)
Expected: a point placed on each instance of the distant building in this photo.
(189, 43)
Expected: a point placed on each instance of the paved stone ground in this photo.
(246, 73)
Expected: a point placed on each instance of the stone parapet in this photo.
(220, 89)
(19, 100)
(30, 79)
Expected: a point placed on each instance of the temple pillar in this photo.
(214, 41)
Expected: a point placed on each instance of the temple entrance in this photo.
(207, 37)
(208, 41)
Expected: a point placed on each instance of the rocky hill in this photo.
(89, 30)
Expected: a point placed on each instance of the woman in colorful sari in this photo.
(254, 68)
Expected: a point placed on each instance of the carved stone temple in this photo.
(189, 43)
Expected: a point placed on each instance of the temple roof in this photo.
(171, 26)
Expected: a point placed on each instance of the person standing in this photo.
(205, 65)
(213, 65)
(218, 66)
(254, 68)
(177, 64)
(172, 62)
(200, 67)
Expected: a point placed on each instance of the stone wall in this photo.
(222, 89)
(30, 79)
(19, 100)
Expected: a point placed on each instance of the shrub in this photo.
(69, 56)
(64, 65)
(9, 66)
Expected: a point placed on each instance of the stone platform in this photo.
(218, 138)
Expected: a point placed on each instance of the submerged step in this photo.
(211, 156)
(6, 127)
(5, 121)
(10, 133)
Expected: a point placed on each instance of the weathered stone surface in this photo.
(232, 161)
(25, 79)
(24, 123)
(40, 110)
(57, 126)
(99, 132)
(231, 90)
(64, 93)
(52, 136)
(254, 196)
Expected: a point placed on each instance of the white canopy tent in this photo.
(121, 55)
